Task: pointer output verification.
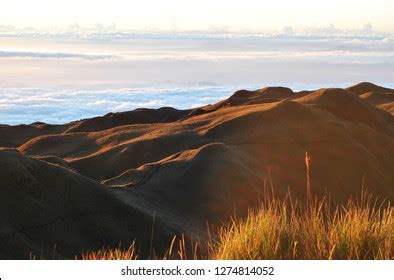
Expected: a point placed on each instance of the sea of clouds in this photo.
(61, 76)
(24, 106)
(54, 106)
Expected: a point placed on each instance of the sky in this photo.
(180, 15)
(67, 60)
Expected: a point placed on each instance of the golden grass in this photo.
(283, 228)
(113, 254)
(177, 250)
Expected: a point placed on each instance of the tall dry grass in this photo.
(130, 253)
(178, 249)
(284, 228)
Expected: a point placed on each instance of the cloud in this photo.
(27, 105)
(24, 106)
(178, 47)
(100, 31)
(55, 55)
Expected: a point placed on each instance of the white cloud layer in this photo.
(23, 106)
(56, 55)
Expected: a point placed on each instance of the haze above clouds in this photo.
(177, 15)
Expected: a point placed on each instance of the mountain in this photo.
(50, 211)
(182, 169)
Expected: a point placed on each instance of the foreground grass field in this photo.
(284, 228)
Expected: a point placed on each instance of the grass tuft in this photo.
(283, 229)
(113, 254)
